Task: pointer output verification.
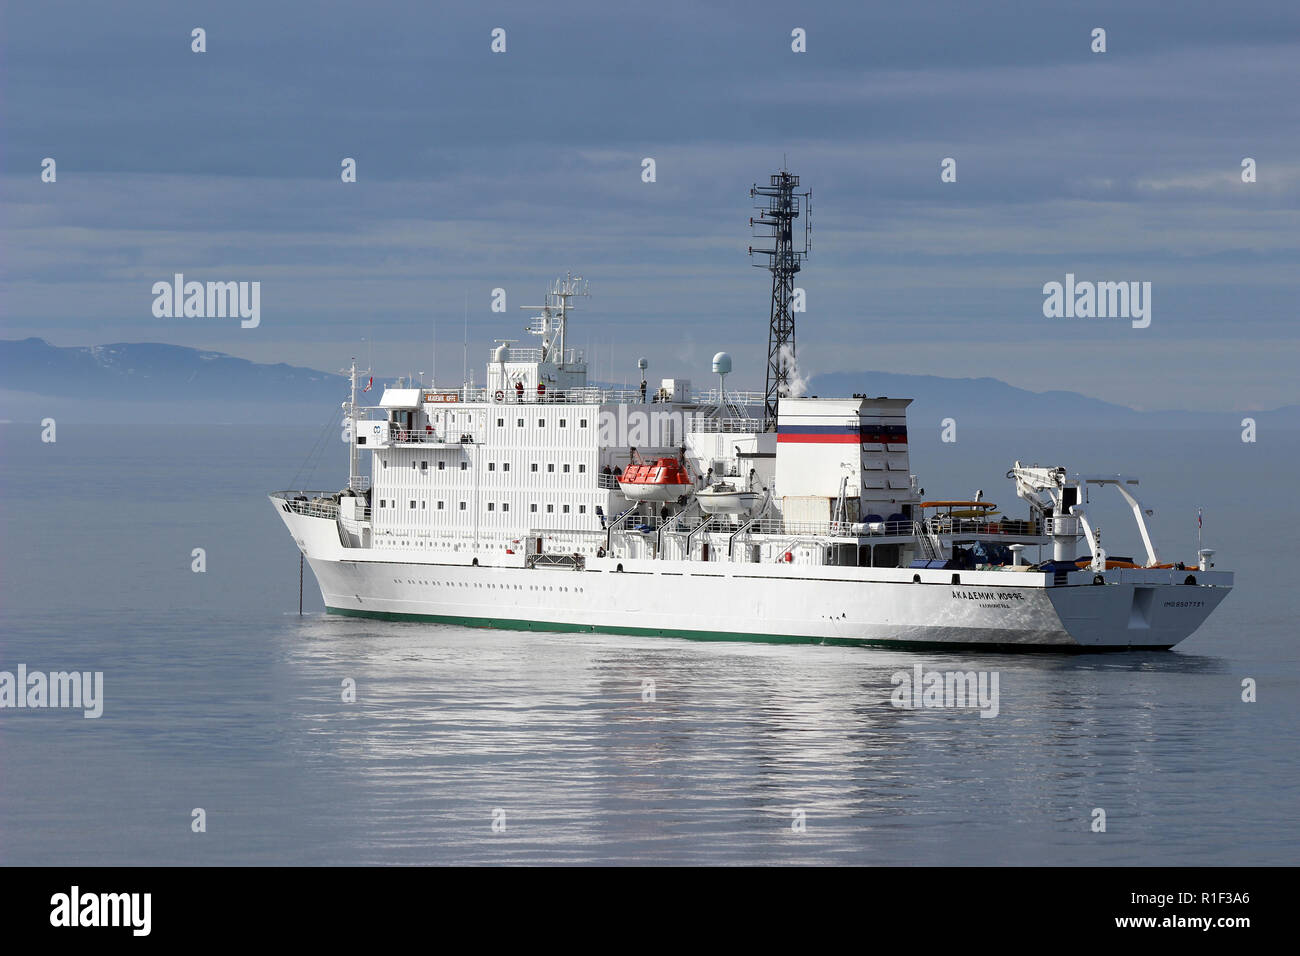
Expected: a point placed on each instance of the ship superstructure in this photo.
(543, 501)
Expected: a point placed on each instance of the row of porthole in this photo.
(916, 579)
(541, 423)
(503, 587)
(387, 505)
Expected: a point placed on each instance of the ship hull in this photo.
(1135, 610)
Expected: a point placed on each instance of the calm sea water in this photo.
(218, 695)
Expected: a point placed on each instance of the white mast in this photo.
(352, 418)
(550, 324)
(350, 410)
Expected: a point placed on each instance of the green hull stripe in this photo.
(513, 624)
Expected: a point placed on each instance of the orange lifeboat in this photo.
(664, 479)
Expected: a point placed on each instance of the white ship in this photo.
(540, 502)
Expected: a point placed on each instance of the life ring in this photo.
(499, 395)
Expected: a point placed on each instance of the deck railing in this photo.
(425, 436)
(746, 426)
(582, 395)
(314, 504)
(976, 528)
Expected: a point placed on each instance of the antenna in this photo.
(780, 206)
(464, 355)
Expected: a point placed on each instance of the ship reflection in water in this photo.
(586, 748)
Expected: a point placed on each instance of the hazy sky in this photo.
(478, 170)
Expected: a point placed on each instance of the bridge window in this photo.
(566, 468)
(533, 508)
(550, 509)
(424, 466)
(492, 506)
(550, 466)
(533, 466)
(464, 465)
(462, 506)
(582, 469)
(519, 423)
(582, 423)
(492, 466)
(582, 509)
(442, 466)
(440, 505)
(412, 504)
(563, 423)
(566, 509)
(501, 423)
(505, 506)
(505, 466)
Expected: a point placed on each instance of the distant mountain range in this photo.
(149, 382)
(149, 372)
(992, 401)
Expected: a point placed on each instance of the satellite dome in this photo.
(722, 364)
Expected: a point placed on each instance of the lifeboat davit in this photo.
(662, 480)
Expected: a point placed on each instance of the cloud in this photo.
(477, 172)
